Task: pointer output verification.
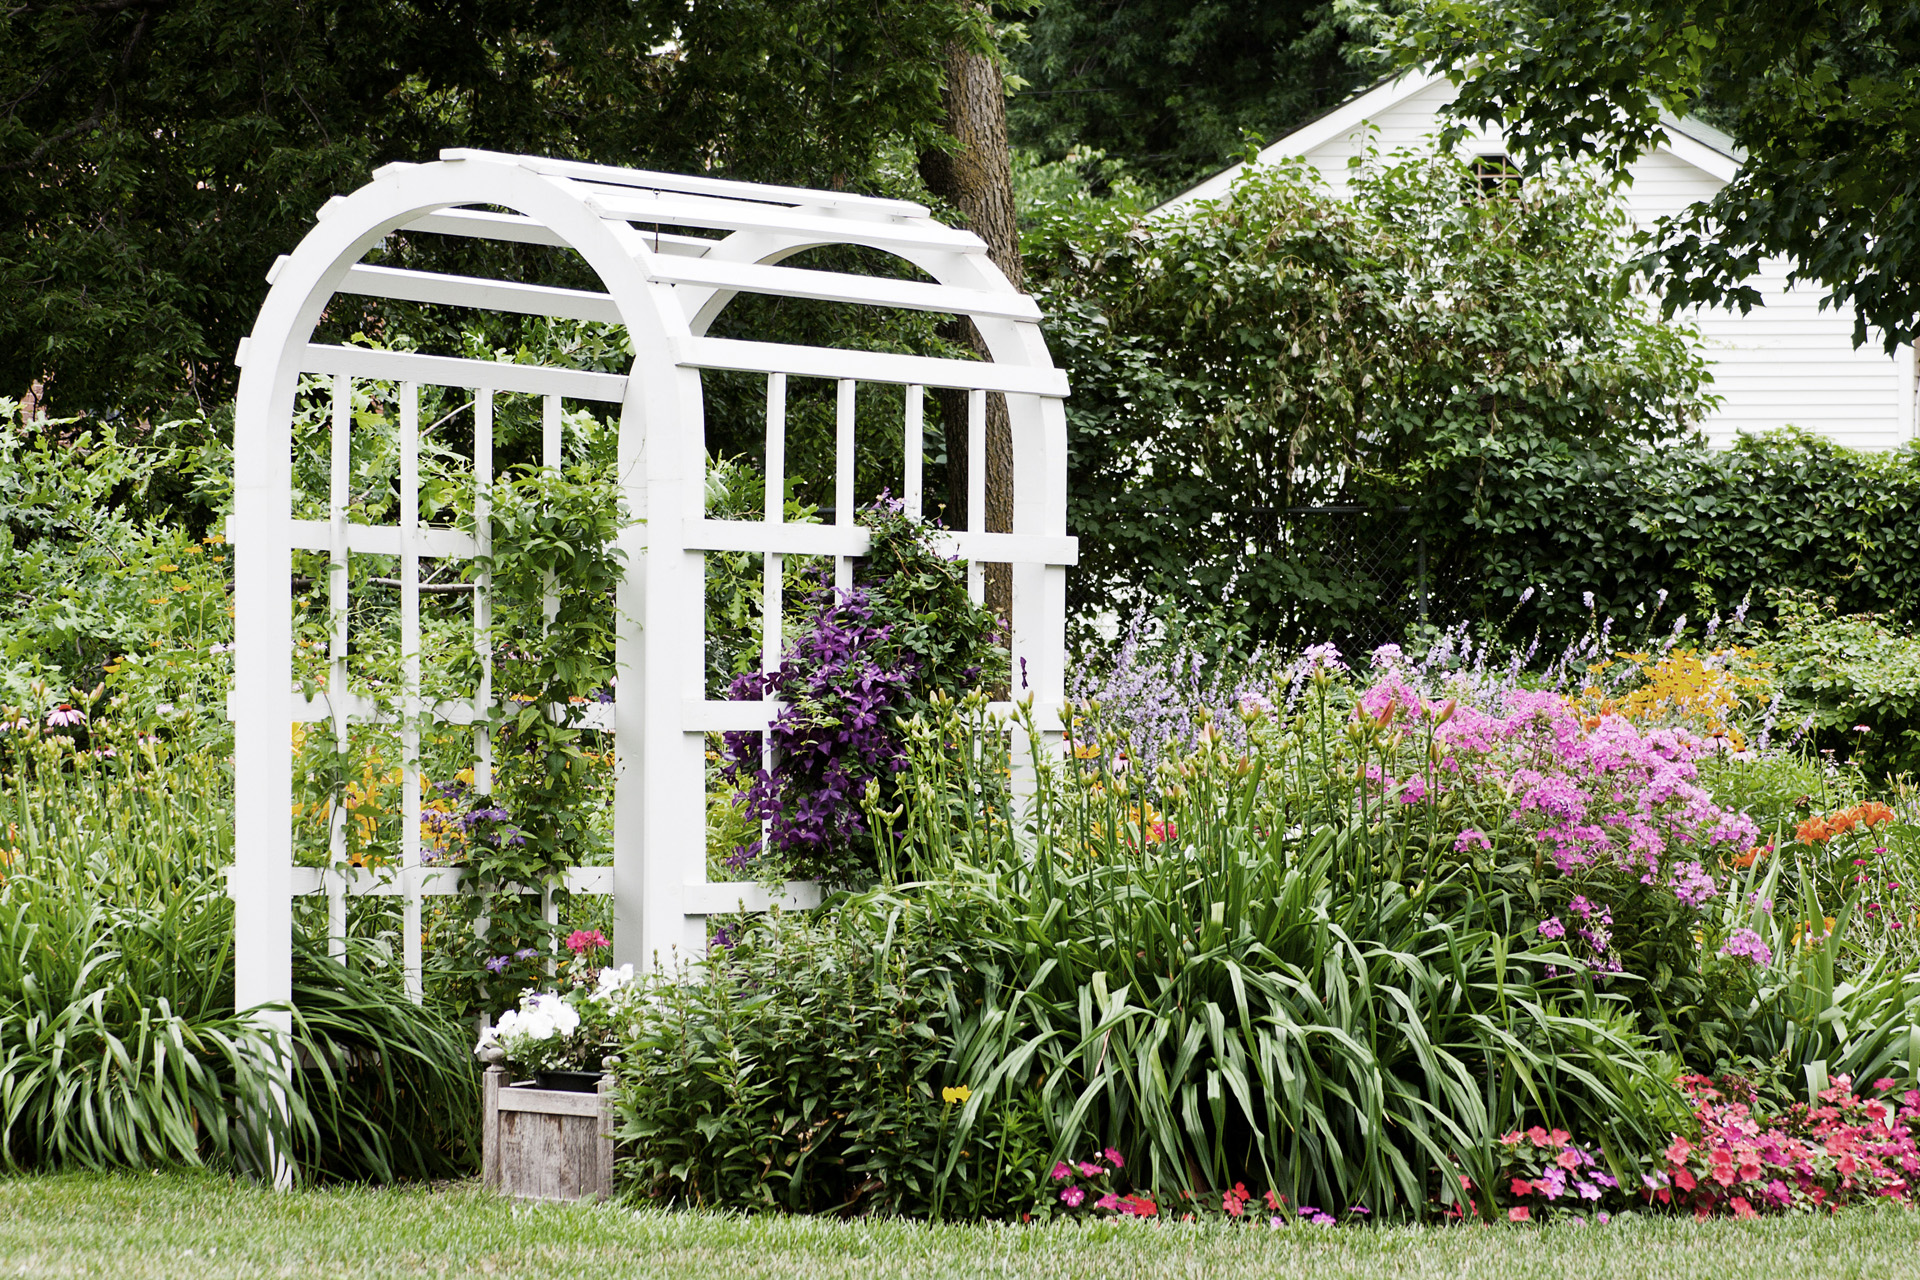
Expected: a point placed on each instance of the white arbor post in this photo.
(665, 287)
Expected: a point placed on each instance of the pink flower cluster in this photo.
(1544, 1172)
(1089, 1187)
(1845, 1150)
(1596, 793)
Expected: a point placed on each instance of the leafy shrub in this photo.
(803, 1068)
(1856, 677)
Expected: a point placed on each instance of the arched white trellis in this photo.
(666, 289)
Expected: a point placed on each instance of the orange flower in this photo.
(1813, 831)
(1751, 856)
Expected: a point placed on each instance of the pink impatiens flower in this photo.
(1112, 1157)
(1072, 1196)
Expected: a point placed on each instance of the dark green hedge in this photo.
(1710, 526)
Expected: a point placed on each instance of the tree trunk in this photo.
(977, 179)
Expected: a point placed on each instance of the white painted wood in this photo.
(831, 540)
(747, 895)
(455, 371)
(410, 683)
(382, 539)
(843, 475)
(738, 215)
(340, 460)
(695, 185)
(479, 224)
(482, 294)
(976, 487)
(865, 366)
(483, 586)
(657, 879)
(701, 716)
(915, 444)
(833, 286)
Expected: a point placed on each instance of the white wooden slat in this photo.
(483, 585)
(784, 538)
(843, 422)
(410, 683)
(691, 183)
(479, 224)
(390, 882)
(1009, 548)
(703, 899)
(477, 292)
(866, 366)
(338, 481)
(976, 486)
(830, 540)
(358, 708)
(835, 286)
(772, 563)
(383, 540)
(455, 371)
(698, 715)
(740, 215)
(915, 451)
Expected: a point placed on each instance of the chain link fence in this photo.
(1370, 575)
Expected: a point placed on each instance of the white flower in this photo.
(612, 979)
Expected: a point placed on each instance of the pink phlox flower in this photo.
(1072, 1197)
(1089, 1168)
(1470, 839)
(1391, 693)
(1109, 1202)
(1061, 1172)
(1112, 1157)
(1747, 945)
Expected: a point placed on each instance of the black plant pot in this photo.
(569, 1081)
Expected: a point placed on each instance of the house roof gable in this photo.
(1689, 140)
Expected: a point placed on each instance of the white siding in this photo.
(1788, 362)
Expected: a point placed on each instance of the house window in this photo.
(1495, 175)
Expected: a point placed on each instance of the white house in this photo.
(1787, 362)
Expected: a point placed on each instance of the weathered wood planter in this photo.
(546, 1144)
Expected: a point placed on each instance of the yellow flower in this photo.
(169, 568)
(956, 1093)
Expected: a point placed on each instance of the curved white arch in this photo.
(659, 856)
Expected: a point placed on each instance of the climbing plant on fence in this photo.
(865, 660)
(554, 566)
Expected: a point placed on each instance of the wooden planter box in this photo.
(546, 1144)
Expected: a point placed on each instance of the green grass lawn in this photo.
(180, 1225)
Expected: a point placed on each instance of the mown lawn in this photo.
(186, 1226)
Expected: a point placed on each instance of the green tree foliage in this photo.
(1286, 348)
(1821, 94)
(1169, 87)
(154, 158)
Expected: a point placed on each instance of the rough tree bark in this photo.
(977, 180)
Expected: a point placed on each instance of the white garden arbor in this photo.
(651, 239)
